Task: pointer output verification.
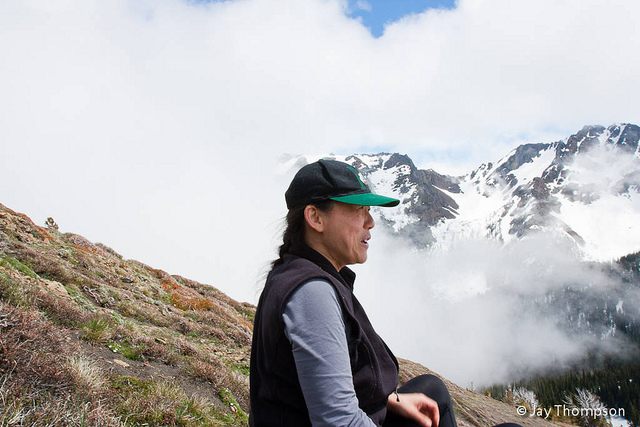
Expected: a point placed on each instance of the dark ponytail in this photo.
(293, 235)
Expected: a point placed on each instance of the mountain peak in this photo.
(564, 187)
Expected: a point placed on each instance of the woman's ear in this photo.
(313, 218)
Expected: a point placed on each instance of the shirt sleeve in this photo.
(315, 326)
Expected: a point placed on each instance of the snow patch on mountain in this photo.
(488, 200)
(535, 168)
(601, 203)
(479, 205)
(610, 227)
(384, 182)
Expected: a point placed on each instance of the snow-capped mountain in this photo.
(518, 245)
(585, 188)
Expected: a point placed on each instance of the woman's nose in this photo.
(369, 222)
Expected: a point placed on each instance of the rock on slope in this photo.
(89, 338)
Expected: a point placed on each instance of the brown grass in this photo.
(68, 307)
(41, 382)
(60, 310)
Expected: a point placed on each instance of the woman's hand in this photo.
(415, 406)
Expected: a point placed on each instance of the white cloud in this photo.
(154, 126)
(363, 5)
(481, 312)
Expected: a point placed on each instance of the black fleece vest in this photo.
(276, 396)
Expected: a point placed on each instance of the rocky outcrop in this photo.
(530, 184)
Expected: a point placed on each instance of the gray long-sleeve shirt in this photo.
(315, 327)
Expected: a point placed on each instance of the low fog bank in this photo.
(480, 312)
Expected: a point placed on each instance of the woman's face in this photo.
(346, 234)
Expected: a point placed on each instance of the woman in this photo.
(316, 359)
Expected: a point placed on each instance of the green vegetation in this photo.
(17, 265)
(97, 330)
(630, 265)
(10, 291)
(127, 349)
(241, 367)
(229, 400)
(161, 403)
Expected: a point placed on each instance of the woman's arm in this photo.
(416, 406)
(314, 325)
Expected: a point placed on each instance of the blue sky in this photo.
(376, 13)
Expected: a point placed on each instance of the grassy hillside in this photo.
(88, 338)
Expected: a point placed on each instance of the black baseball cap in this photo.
(332, 180)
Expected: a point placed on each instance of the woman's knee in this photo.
(429, 385)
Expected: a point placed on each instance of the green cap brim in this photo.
(367, 199)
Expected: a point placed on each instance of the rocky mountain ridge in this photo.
(560, 187)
